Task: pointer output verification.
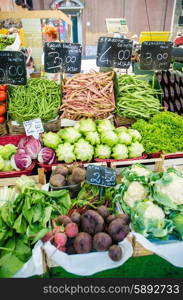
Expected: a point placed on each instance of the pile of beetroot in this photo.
(90, 231)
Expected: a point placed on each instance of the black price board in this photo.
(62, 57)
(72, 58)
(155, 55)
(114, 52)
(53, 57)
(101, 176)
(12, 68)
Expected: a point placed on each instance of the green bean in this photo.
(136, 98)
(39, 98)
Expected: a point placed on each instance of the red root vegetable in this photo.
(71, 230)
(60, 239)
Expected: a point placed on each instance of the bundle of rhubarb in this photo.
(88, 95)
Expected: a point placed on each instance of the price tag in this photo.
(101, 176)
(155, 55)
(33, 127)
(62, 57)
(72, 58)
(114, 52)
(12, 68)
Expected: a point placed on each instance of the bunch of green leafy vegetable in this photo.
(6, 41)
(90, 139)
(92, 196)
(23, 221)
(163, 133)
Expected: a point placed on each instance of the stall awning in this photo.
(36, 14)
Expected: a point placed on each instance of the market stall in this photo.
(111, 149)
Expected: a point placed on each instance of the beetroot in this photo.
(71, 229)
(83, 243)
(60, 239)
(75, 217)
(48, 237)
(101, 241)
(63, 220)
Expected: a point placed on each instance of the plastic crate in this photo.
(14, 139)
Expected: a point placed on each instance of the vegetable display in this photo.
(40, 98)
(136, 98)
(153, 201)
(88, 95)
(3, 109)
(90, 139)
(163, 133)
(24, 220)
(172, 86)
(90, 231)
(6, 41)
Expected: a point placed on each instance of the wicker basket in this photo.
(53, 125)
(122, 121)
(3, 129)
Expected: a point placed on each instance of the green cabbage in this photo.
(136, 136)
(135, 150)
(124, 138)
(149, 220)
(120, 151)
(109, 137)
(7, 166)
(102, 151)
(87, 125)
(51, 140)
(120, 129)
(65, 152)
(83, 150)
(104, 125)
(93, 138)
(1, 163)
(69, 135)
(7, 151)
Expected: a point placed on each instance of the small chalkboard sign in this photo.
(101, 176)
(62, 57)
(12, 68)
(53, 57)
(72, 58)
(155, 55)
(114, 52)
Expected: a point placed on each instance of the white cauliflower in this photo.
(174, 190)
(153, 211)
(140, 170)
(135, 192)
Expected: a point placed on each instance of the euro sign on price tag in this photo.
(101, 176)
(33, 127)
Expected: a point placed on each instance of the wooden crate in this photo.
(40, 179)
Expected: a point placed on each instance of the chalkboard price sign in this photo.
(155, 55)
(62, 57)
(114, 52)
(101, 176)
(12, 68)
(53, 57)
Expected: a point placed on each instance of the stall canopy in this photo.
(38, 14)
